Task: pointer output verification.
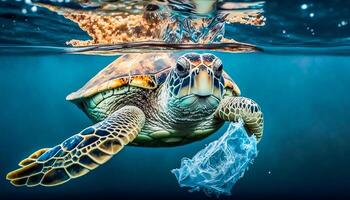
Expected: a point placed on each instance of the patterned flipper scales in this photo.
(80, 153)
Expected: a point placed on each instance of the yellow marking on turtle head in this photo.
(231, 86)
(143, 82)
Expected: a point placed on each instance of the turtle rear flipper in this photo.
(80, 153)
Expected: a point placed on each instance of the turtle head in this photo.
(196, 82)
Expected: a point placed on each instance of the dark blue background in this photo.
(305, 147)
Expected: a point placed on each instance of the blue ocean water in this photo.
(303, 154)
(300, 78)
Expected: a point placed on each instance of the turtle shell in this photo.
(139, 70)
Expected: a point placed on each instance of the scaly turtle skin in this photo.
(143, 100)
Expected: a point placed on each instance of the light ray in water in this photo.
(216, 168)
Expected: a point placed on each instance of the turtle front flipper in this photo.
(32, 158)
(242, 108)
(80, 153)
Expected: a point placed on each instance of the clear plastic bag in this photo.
(216, 168)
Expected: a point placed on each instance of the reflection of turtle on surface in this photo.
(150, 22)
(143, 100)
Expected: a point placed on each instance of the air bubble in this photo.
(24, 11)
(34, 9)
(343, 23)
(304, 6)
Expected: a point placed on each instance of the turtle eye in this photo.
(179, 67)
(152, 7)
(181, 70)
(218, 70)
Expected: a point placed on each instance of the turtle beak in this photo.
(202, 81)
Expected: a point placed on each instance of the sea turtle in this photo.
(151, 100)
